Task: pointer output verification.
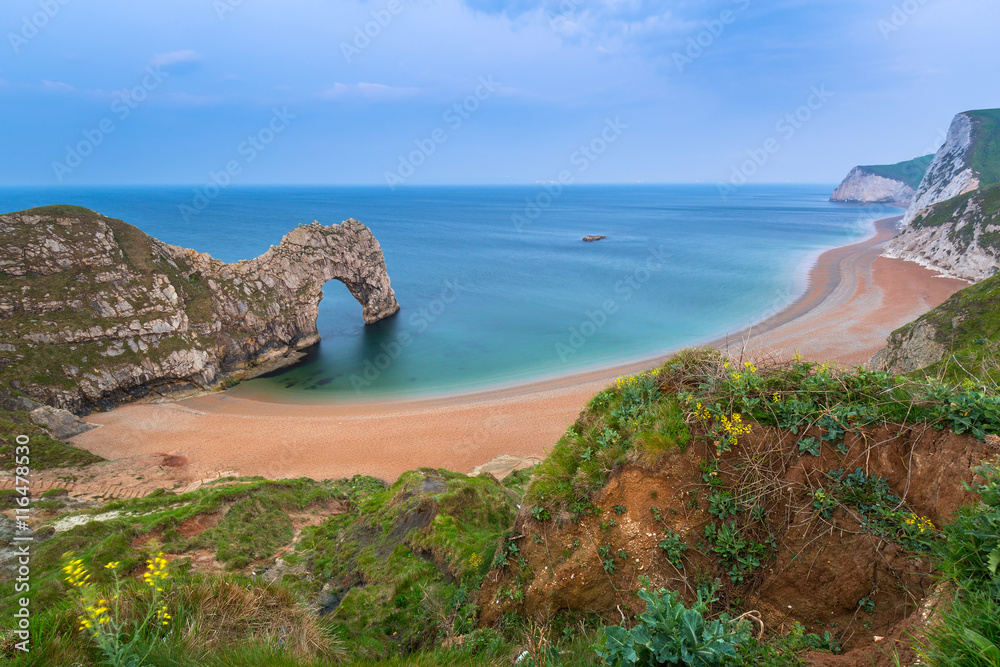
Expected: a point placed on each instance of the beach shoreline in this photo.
(853, 299)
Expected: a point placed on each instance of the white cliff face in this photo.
(958, 238)
(864, 187)
(949, 174)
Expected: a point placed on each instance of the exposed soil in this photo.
(818, 573)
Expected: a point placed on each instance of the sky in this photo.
(417, 92)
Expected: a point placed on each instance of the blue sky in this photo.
(294, 91)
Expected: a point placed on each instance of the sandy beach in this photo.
(853, 300)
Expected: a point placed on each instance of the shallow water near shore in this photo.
(495, 283)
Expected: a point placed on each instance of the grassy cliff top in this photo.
(973, 216)
(968, 325)
(910, 172)
(986, 145)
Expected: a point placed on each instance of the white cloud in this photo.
(183, 99)
(376, 92)
(57, 86)
(185, 59)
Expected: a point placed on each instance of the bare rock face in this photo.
(959, 237)
(951, 173)
(94, 312)
(910, 349)
(862, 186)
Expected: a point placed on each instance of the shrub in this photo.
(668, 633)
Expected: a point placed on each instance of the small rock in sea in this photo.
(594, 237)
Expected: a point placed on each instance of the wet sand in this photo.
(853, 300)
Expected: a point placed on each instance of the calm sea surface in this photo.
(495, 284)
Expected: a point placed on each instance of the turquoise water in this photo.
(495, 290)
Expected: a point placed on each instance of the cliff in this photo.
(958, 339)
(969, 159)
(883, 184)
(959, 237)
(94, 312)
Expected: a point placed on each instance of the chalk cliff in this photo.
(883, 184)
(959, 237)
(94, 312)
(969, 158)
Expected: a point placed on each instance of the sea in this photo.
(495, 284)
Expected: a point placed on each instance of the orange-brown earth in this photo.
(816, 575)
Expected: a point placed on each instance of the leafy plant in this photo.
(122, 641)
(668, 633)
(810, 445)
(540, 513)
(740, 554)
(723, 505)
(674, 548)
(824, 503)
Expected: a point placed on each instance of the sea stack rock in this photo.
(590, 238)
(94, 312)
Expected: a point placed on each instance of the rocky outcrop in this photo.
(94, 312)
(864, 187)
(959, 237)
(961, 332)
(61, 424)
(964, 163)
(883, 184)
(910, 348)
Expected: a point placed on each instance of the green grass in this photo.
(651, 413)
(910, 172)
(986, 149)
(400, 566)
(968, 634)
(45, 451)
(968, 326)
(408, 565)
(158, 516)
(632, 415)
(410, 556)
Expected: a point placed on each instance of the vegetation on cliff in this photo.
(910, 172)
(955, 342)
(778, 510)
(985, 158)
